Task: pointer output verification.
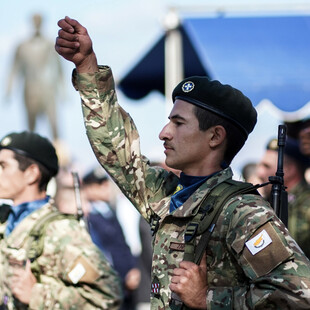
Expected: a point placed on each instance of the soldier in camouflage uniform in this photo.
(251, 261)
(45, 264)
(294, 167)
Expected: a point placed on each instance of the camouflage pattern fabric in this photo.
(73, 274)
(276, 277)
(299, 215)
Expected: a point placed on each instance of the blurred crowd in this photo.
(296, 169)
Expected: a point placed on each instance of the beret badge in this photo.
(188, 86)
(273, 145)
(6, 141)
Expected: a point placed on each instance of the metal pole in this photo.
(174, 71)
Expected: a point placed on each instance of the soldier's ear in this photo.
(218, 136)
(32, 174)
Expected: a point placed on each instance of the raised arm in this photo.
(74, 44)
(110, 129)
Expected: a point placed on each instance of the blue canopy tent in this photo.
(149, 73)
(267, 57)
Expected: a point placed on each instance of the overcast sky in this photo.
(122, 31)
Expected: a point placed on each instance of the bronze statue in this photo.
(38, 65)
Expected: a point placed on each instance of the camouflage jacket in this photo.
(71, 271)
(276, 277)
(299, 215)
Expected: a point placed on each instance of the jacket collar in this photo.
(190, 207)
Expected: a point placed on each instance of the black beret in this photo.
(223, 100)
(97, 175)
(34, 146)
(291, 150)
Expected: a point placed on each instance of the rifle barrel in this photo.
(76, 184)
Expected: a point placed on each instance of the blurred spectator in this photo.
(126, 213)
(107, 233)
(300, 130)
(248, 171)
(249, 174)
(294, 166)
(65, 197)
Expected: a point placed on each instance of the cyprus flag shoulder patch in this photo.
(259, 242)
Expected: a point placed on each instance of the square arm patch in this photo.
(265, 250)
(82, 271)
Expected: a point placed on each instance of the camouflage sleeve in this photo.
(115, 139)
(74, 272)
(303, 233)
(277, 272)
(299, 218)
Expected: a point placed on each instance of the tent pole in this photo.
(174, 71)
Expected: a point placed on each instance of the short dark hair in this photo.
(24, 162)
(234, 137)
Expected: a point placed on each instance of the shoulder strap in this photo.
(36, 235)
(204, 222)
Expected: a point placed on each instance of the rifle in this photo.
(76, 185)
(279, 199)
